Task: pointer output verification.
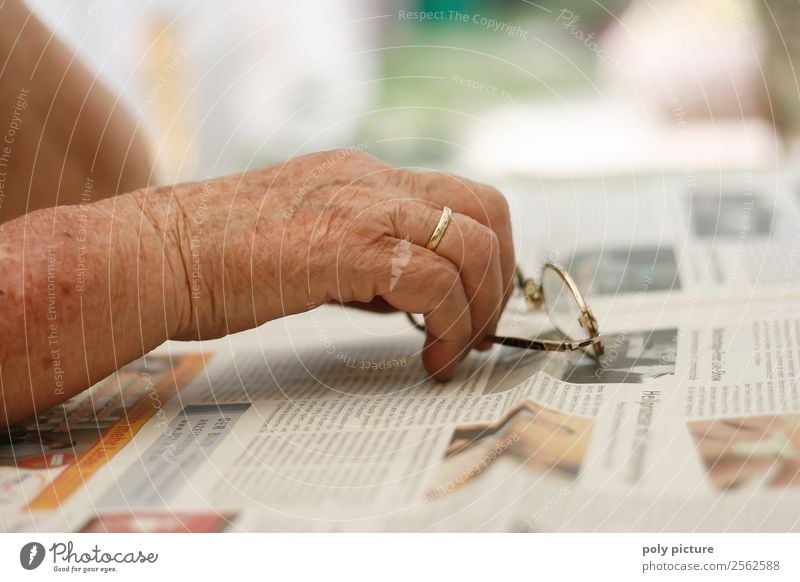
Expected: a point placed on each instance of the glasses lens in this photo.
(561, 304)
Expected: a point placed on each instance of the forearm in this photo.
(84, 290)
(60, 129)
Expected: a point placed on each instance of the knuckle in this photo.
(318, 157)
(358, 161)
(337, 161)
(395, 215)
(405, 180)
(436, 185)
(444, 277)
(497, 208)
(494, 245)
(485, 247)
(443, 280)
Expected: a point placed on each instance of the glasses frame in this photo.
(535, 299)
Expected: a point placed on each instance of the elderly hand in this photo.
(199, 260)
(341, 226)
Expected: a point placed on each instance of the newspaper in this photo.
(326, 421)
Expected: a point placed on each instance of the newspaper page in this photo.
(45, 461)
(309, 440)
(327, 421)
(735, 237)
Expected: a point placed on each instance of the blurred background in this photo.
(492, 89)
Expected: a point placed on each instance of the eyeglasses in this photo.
(558, 295)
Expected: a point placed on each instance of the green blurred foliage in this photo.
(420, 95)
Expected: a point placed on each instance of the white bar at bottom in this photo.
(403, 557)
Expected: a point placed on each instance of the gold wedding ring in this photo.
(438, 232)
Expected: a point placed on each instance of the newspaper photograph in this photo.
(691, 405)
(256, 441)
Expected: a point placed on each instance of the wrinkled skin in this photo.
(200, 260)
(331, 226)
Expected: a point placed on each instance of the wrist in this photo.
(162, 269)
